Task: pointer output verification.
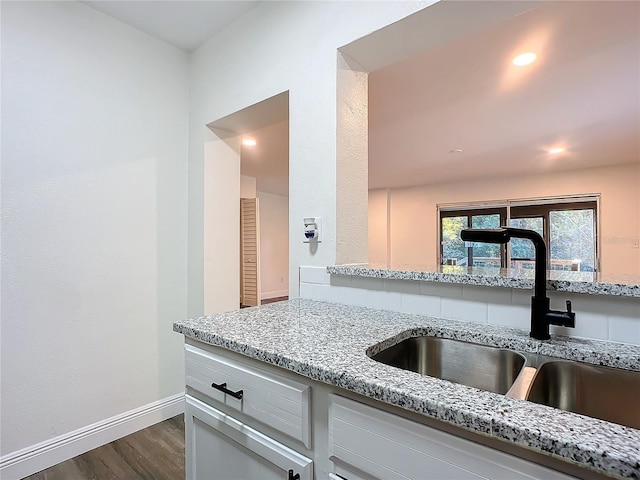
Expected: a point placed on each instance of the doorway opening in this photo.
(256, 209)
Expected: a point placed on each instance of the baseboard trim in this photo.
(280, 293)
(35, 458)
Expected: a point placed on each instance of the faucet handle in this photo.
(571, 320)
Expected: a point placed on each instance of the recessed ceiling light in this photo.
(249, 142)
(556, 150)
(456, 150)
(525, 59)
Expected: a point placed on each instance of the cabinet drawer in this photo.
(219, 446)
(276, 401)
(384, 445)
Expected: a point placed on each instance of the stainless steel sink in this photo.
(606, 393)
(479, 366)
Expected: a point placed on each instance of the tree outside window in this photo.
(569, 231)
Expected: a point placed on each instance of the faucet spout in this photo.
(541, 315)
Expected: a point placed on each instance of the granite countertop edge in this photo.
(329, 343)
(490, 277)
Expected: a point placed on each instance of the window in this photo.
(568, 228)
(455, 252)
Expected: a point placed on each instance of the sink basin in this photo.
(606, 393)
(486, 368)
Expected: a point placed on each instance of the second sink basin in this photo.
(606, 393)
(479, 366)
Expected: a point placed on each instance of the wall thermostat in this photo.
(312, 229)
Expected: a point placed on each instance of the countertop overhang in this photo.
(328, 342)
(562, 281)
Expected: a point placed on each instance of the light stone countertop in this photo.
(563, 281)
(329, 343)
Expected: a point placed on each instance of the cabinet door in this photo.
(219, 446)
(382, 445)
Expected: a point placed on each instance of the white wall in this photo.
(277, 47)
(274, 245)
(222, 223)
(352, 163)
(247, 187)
(413, 242)
(94, 219)
(378, 228)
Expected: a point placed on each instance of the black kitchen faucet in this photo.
(541, 315)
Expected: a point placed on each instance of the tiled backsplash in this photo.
(598, 317)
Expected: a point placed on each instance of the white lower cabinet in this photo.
(246, 420)
(381, 445)
(241, 386)
(218, 446)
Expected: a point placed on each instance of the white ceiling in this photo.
(185, 24)
(462, 92)
(268, 160)
(583, 93)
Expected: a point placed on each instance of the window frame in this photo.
(522, 208)
(470, 213)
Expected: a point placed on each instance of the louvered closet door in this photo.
(249, 252)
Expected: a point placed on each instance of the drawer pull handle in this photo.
(292, 476)
(223, 388)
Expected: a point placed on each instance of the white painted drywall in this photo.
(278, 47)
(352, 163)
(247, 186)
(222, 224)
(94, 218)
(413, 215)
(378, 230)
(274, 245)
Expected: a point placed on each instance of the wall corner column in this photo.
(352, 159)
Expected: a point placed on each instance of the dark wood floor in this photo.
(155, 453)
(268, 300)
(272, 300)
